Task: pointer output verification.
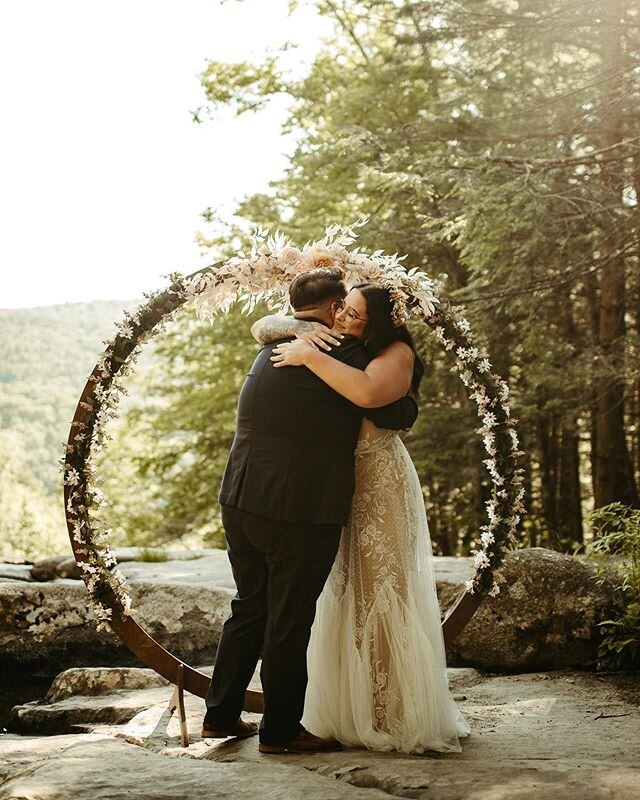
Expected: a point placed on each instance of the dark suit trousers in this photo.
(279, 570)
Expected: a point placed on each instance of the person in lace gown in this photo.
(376, 659)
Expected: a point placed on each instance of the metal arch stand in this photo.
(177, 701)
(181, 675)
(459, 615)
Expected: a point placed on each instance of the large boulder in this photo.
(48, 626)
(96, 681)
(545, 617)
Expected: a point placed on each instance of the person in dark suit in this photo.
(285, 496)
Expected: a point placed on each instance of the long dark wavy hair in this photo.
(380, 330)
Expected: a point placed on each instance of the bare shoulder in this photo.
(398, 356)
(398, 351)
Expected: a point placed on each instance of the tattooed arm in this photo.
(268, 329)
(274, 327)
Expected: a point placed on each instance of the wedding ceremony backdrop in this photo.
(497, 146)
(481, 159)
(266, 273)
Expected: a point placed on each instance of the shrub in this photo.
(616, 550)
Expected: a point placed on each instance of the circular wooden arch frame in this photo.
(137, 640)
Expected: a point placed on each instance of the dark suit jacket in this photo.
(292, 457)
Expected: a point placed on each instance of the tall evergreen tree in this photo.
(495, 142)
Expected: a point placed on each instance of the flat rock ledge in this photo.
(560, 735)
(546, 616)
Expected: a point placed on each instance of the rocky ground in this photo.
(104, 732)
(561, 734)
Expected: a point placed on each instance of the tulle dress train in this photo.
(376, 659)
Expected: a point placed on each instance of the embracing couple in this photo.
(324, 519)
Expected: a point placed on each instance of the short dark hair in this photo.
(317, 286)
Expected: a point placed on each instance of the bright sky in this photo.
(103, 175)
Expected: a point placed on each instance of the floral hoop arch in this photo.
(265, 273)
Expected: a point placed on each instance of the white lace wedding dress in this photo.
(377, 670)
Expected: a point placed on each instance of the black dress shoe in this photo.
(304, 742)
(239, 729)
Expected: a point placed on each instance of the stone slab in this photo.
(560, 735)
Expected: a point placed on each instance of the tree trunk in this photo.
(548, 452)
(438, 537)
(636, 412)
(569, 507)
(530, 527)
(614, 479)
(568, 498)
(593, 311)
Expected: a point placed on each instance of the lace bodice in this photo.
(372, 438)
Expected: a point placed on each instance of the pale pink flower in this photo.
(322, 257)
(291, 259)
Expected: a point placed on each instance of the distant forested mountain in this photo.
(46, 355)
(162, 470)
